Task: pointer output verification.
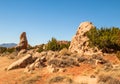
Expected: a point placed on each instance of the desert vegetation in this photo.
(106, 39)
(6, 50)
(54, 45)
(79, 61)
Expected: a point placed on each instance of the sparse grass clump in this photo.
(63, 63)
(31, 80)
(65, 51)
(103, 79)
(55, 62)
(81, 59)
(60, 79)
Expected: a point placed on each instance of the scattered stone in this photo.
(44, 53)
(37, 54)
(21, 63)
(23, 51)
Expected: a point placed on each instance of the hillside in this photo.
(59, 62)
(8, 45)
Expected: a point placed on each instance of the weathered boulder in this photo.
(79, 43)
(23, 42)
(21, 63)
(38, 63)
(21, 52)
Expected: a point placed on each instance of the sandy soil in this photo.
(42, 76)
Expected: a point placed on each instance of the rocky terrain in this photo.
(80, 64)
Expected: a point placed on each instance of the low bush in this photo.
(65, 51)
(63, 63)
(31, 80)
(81, 59)
(10, 50)
(55, 45)
(55, 62)
(40, 49)
(108, 80)
(107, 39)
(60, 79)
(7, 50)
(3, 49)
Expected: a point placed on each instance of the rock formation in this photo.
(79, 43)
(21, 63)
(23, 42)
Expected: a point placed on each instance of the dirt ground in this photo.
(79, 74)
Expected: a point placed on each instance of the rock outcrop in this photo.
(79, 43)
(21, 63)
(23, 42)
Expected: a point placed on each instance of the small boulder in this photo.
(21, 63)
(22, 52)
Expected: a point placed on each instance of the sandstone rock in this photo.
(44, 53)
(37, 54)
(37, 65)
(30, 67)
(23, 42)
(52, 69)
(22, 52)
(79, 43)
(43, 59)
(21, 63)
(50, 53)
(37, 60)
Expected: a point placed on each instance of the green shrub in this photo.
(61, 46)
(10, 50)
(40, 49)
(54, 45)
(107, 39)
(3, 49)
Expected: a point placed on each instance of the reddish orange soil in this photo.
(17, 76)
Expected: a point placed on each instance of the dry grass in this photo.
(65, 51)
(60, 80)
(107, 79)
(31, 80)
(63, 63)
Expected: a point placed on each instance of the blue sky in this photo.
(44, 19)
